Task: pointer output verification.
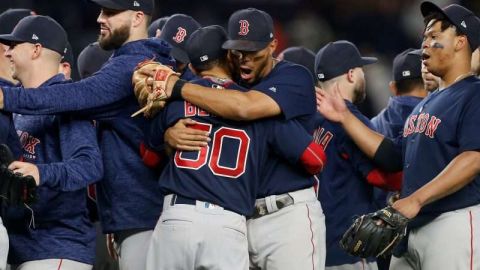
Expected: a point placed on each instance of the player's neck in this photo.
(216, 72)
(37, 77)
(136, 35)
(454, 75)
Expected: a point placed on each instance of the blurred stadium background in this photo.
(380, 28)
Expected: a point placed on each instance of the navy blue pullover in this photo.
(128, 197)
(68, 158)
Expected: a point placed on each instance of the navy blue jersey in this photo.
(291, 86)
(343, 189)
(226, 172)
(128, 197)
(441, 127)
(68, 159)
(8, 135)
(390, 121)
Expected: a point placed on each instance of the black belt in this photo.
(179, 199)
(281, 201)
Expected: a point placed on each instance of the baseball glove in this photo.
(15, 188)
(151, 91)
(375, 234)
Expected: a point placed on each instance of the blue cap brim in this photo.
(245, 45)
(369, 60)
(9, 38)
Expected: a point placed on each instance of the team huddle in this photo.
(204, 151)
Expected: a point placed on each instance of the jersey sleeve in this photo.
(468, 126)
(292, 88)
(98, 96)
(288, 139)
(81, 162)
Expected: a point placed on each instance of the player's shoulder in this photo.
(470, 88)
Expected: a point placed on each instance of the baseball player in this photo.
(346, 184)
(176, 31)
(62, 155)
(301, 56)
(407, 89)
(440, 149)
(209, 202)
(155, 28)
(286, 201)
(128, 196)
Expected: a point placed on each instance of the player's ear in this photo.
(461, 42)
(273, 46)
(351, 76)
(37, 50)
(138, 19)
(393, 87)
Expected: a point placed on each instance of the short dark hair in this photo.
(446, 23)
(407, 85)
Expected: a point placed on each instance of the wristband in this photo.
(177, 89)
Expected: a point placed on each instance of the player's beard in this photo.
(116, 39)
(359, 93)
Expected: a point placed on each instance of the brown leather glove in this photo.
(150, 80)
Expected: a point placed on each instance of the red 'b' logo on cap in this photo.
(243, 27)
(180, 36)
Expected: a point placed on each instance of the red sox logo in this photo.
(180, 36)
(243, 27)
(28, 142)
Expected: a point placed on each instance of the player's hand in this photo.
(184, 138)
(409, 207)
(26, 168)
(331, 105)
(111, 246)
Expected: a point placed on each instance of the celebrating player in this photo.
(62, 155)
(441, 158)
(210, 202)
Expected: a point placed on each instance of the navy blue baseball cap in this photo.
(462, 18)
(176, 32)
(38, 29)
(301, 56)
(10, 18)
(249, 30)
(157, 24)
(205, 44)
(336, 58)
(407, 65)
(91, 59)
(147, 6)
